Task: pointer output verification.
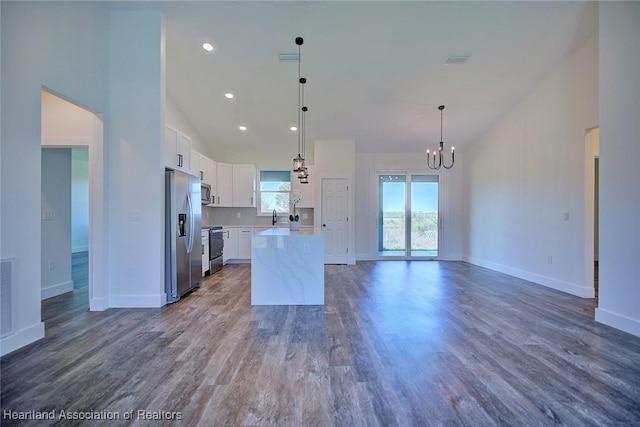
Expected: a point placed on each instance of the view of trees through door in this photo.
(408, 215)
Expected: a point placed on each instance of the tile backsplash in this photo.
(248, 216)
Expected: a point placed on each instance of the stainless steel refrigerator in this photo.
(183, 258)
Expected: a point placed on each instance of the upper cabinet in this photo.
(203, 167)
(224, 192)
(196, 168)
(177, 149)
(231, 185)
(306, 190)
(244, 185)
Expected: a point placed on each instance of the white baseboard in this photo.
(618, 321)
(97, 304)
(549, 282)
(368, 257)
(21, 338)
(57, 289)
(137, 301)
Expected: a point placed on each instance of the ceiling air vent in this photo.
(289, 57)
(459, 58)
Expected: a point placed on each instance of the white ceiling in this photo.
(376, 70)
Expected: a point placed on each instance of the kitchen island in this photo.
(287, 267)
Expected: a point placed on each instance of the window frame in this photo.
(260, 191)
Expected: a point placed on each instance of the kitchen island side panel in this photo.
(287, 268)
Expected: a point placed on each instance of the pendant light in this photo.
(298, 162)
(303, 174)
(434, 165)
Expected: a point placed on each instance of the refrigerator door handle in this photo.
(189, 239)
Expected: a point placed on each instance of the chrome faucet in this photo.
(274, 218)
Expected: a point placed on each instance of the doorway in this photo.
(67, 124)
(335, 220)
(591, 209)
(408, 215)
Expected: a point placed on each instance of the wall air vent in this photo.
(458, 58)
(7, 295)
(289, 57)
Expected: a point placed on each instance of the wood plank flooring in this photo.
(397, 344)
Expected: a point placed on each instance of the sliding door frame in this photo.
(376, 173)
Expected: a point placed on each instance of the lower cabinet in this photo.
(244, 242)
(230, 236)
(237, 242)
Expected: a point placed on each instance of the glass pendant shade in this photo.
(298, 163)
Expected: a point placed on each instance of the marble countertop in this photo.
(286, 232)
(269, 226)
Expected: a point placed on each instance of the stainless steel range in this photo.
(216, 246)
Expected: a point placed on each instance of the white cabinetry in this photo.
(244, 186)
(230, 237)
(231, 185)
(196, 167)
(244, 242)
(203, 167)
(205, 250)
(306, 190)
(224, 193)
(177, 149)
(213, 173)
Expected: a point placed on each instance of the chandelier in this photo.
(298, 162)
(440, 162)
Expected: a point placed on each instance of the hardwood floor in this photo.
(397, 343)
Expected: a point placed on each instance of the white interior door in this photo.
(335, 209)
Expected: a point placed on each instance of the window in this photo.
(274, 190)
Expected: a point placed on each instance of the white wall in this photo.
(72, 62)
(619, 298)
(174, 117)
(525, 180)
(67, 125)
(79, 200)
(135, 159)
(112, 63)
(366, 207)
(56, 222)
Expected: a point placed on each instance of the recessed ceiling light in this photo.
(207, 46)
(293, 128)
(228, 95)
(242, 127)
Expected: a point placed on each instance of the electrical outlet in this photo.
(305, 216)
(129, 271)
(566, 216)
(48, 215)
(52, 264)
(550, 259)
(238, 215)
(134, 215)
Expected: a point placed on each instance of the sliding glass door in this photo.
(408, 215)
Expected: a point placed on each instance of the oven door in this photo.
(216, 247)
